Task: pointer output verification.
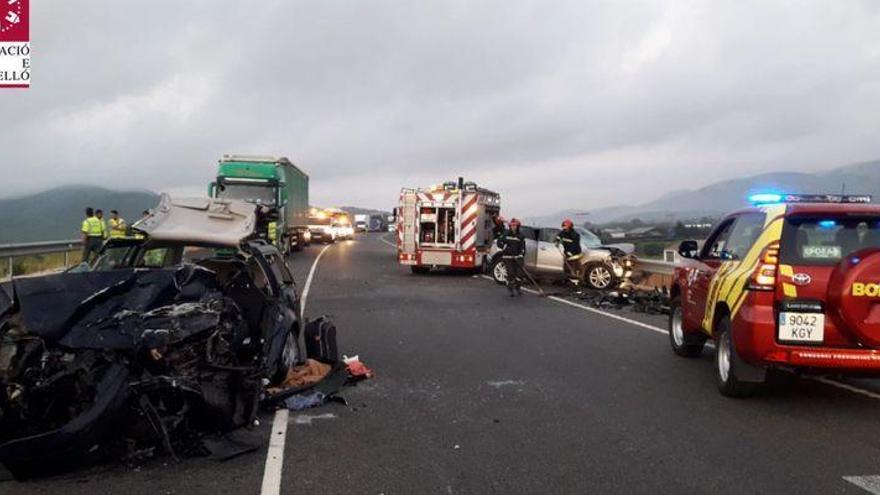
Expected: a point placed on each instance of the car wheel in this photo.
(730, 369)
(289, 355)
(599, 276)
(498, 271)
(420, 270)
(684, 344)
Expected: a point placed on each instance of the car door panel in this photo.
(549, 257)
(701, 274)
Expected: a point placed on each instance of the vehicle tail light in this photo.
(764, 276)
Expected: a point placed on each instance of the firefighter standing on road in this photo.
(570, 241)
(117, 225)
(92, 235)
(513, 246)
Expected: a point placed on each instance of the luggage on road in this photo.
(320, 337)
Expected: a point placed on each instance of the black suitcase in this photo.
(320, 337)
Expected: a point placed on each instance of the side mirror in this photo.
(689, 249)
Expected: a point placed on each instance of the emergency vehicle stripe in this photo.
(440, 197)
(729, 283)
(469, 212)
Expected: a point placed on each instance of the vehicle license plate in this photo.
(801, 327)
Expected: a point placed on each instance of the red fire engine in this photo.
(448, 225)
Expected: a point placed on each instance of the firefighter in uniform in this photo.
(92, 235)
(570, 241)
(497, 226)
(513, 245)
(118, 227)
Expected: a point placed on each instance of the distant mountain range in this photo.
(57, 214)
(354, 210)
(727, 195)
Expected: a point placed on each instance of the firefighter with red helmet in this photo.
(570, 242)
(513, 245)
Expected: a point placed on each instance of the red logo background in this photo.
(16, 10)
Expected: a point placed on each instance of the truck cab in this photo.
(275, 184)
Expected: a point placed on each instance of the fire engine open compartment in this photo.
(447, 225)
(437, 226)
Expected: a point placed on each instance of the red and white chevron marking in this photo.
(436, 197)
(469, 210)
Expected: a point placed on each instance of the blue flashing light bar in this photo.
(827, 224)
(775, 198)
(765, 198)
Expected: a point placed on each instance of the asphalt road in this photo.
(479, 393)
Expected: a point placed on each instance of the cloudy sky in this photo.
(555, 104)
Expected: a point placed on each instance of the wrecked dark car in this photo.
(163, 340)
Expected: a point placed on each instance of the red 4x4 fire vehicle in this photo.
(791, 283)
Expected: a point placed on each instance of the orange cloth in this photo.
(299, 376)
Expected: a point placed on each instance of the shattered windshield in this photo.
(589, 240)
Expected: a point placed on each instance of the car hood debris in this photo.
(200, 220)
(104, 364)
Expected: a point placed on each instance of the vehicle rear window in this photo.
(826, 240)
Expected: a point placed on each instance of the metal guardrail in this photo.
(11, 251)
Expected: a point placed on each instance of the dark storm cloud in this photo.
(552, 103)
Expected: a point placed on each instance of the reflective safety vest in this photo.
(273, 232)
(93, 227)
(117, 228)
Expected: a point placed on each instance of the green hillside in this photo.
(56, 214)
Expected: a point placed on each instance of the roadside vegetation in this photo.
(38, 263)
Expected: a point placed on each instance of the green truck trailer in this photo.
(277, 184)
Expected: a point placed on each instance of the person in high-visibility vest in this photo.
(272, 235)
(117, 225)
(92, 235)
(99, 214)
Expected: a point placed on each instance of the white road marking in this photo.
(597, 311)
(386, 241)
(820, 379)
(275, 454)
(870, 484)
(308, 285)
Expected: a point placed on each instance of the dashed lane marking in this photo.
(275, 454)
